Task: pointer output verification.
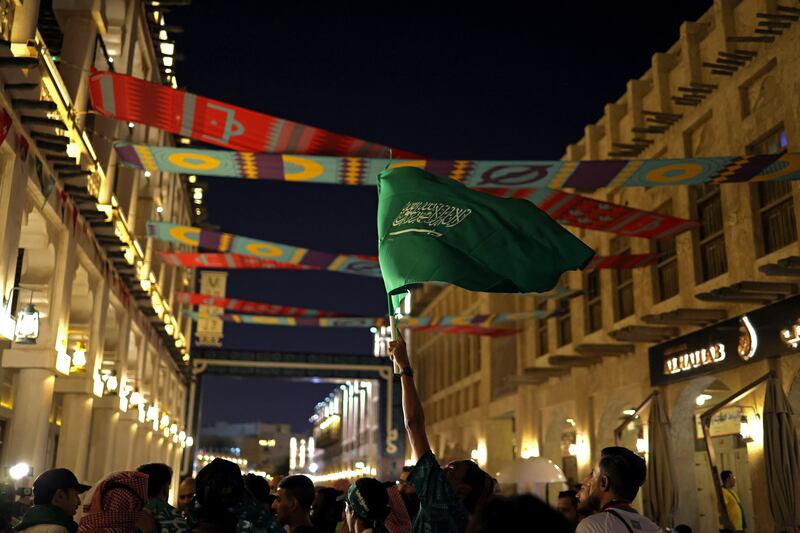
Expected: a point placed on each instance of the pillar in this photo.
(105, 416)
(73, 442)
(33, 402)
(124, 457)
(26, 16)
(80, 34)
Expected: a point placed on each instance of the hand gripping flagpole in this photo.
(393, 335)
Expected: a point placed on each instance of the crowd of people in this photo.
(428, 497)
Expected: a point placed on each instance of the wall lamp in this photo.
(24, 327)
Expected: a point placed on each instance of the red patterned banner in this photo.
(226, 261)
(132, 99)
(625, 261)
(247, 306)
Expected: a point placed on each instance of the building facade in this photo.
(560, 387)
(264, 446)
(102, 385)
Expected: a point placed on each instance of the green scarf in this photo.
(46, 514)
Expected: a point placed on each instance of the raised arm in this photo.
(413, 414)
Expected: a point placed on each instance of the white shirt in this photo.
(605, 522)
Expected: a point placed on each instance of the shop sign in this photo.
(726, 422)
(729, 344)
(209, 329)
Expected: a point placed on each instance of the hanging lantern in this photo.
(27, 330)
(744, 429)
(79, 356)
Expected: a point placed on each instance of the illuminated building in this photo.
(104, 386)
(561, 386)
(264, 446)
(346, 433)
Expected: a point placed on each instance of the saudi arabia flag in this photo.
(435, 229)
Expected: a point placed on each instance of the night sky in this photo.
(447, 81)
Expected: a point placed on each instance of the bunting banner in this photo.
(567, 208)
(126, 98)
(250, 307)
(362, 265)
(472, 173)
(459, 324)
(244, 262)
(226, 261)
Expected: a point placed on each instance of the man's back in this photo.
(617, 521)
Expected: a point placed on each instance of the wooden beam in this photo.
(686, 316)
(604, 349)
(644, 333)
(721, 296)
(574, 360)
(767, 287)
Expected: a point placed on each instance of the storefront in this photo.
(703, 370)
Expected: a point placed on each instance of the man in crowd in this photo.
(614, 483)
(408, 493)
(56, 497)
(326, 511)
(736, 521)
(293, 503)
(185, 494)
(159, 478)
(568, 506)
(448, 496)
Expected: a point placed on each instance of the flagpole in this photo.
(393, 335)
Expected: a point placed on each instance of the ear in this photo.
(604, 484)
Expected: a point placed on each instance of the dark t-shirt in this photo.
(305, 529)
(439, 510)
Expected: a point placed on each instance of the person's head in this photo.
(728, 479)
(367, 504)
(617, 476)
(59, 487)
(220, 487)
(259, 488)
(568, 506)
(117, 504)
(683, 528)
(326, 511)
(502, 513)
(293, 501)
(471, 485)
(159, 478)
(403, 484)
(186, 493)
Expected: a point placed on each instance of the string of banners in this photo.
(566, 208)
(472, 173)
(473, 324)
(248, 253)
(262, 308)
(133, 99)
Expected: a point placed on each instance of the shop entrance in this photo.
(731, 455)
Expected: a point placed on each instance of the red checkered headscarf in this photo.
(117, 504)
(398, 520)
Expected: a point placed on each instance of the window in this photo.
(666, 270)
(711, 237)
(541, 330)
(594, 305)
(774, 200)
(623, 280)
(564, 324)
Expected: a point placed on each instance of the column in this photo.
(124, 457)
(80, 34)
(33, 402)
(105, 416)
(26, 16)
(12, 192)
(73, 442)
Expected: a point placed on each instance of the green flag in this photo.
(435, 229)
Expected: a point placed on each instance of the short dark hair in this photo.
(407, 468)
(301, 488)
(479, 481)
(258, 487)
(624, 469)
(683, 528)
(502, 513)
(159, 476)
(571, 494)
(725, 475)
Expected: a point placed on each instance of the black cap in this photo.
(57, 478)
